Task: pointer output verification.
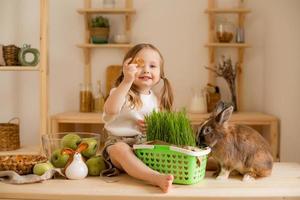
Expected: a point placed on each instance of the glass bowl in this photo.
(56, 142)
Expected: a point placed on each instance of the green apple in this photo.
(92, 147)
(71, 140)
(40, 168)
(95, 165)
(59, 159)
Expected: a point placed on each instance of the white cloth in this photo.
(125, 123)
(14, 178)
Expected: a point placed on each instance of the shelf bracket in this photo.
(128, 5)
(87, 66)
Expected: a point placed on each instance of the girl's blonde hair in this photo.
(166, 96)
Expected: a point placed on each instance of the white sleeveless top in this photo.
(125, 123)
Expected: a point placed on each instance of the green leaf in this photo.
(99, 21)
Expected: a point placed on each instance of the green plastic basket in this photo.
(187, 167)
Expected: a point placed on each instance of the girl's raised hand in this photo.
(129, 70)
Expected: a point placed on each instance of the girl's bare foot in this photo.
(164, 182)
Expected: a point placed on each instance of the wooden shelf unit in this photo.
(43, 71)
(212, 45)
(110, 45)
(228, 10)
(106, 11)
(228, 45)
(87, 12)
(247, 118)
(77, 118)
(19, 68)
(62, 121)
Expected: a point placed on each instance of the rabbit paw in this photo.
(248, 178)
(223, 175)
(216, 173)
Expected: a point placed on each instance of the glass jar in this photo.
(240, 35)
(198, 101)
(86, 98)
(224, 31)
(98, 98)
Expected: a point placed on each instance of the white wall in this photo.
(281, 72)
(179, 29)
(19, 91)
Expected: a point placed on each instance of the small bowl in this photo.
(121, 39)
(52, 142)
(21, 164)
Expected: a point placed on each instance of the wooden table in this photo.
(67, 121)
(283, 183)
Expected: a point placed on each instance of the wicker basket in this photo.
(188, 167)
(22, 164)
(9, 135)
(10, 54)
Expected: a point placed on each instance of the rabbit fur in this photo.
(235, 147)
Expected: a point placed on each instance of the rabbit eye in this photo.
(207, 130)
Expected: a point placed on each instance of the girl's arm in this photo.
(116, 99)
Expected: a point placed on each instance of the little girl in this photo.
(124, 111)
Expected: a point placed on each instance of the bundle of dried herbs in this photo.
(226, 70)
(170, 127)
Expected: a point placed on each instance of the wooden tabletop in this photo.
(284, 183)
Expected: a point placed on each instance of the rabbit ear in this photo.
(81, 147)
(218, 108)
(68, 151)
(224, 116)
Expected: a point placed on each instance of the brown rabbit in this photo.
(235, 147)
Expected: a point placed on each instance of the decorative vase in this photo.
(198, 101)
(26, 49)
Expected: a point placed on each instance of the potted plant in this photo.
(99, 27)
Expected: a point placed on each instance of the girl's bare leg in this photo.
(123, 157)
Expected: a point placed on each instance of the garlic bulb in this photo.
(77, 169)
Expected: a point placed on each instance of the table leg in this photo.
(274, 136)
(54, 126)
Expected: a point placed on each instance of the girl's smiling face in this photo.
(147, 75)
